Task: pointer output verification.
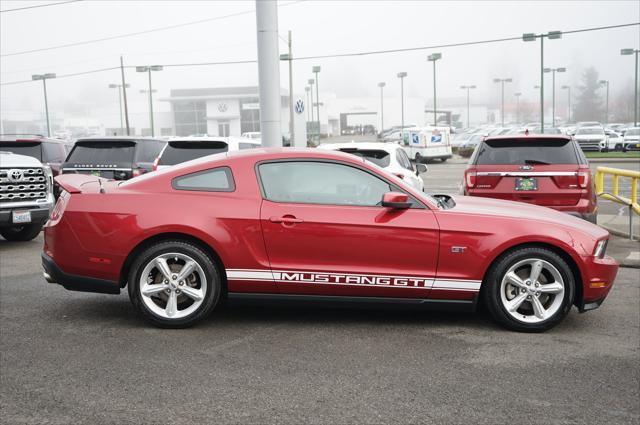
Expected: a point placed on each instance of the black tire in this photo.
(491, 296)
(22, 233)
(618, 147)
(211, 296)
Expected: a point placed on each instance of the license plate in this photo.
(526, 183)
(21, 216)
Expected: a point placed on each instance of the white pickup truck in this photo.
(26, 196)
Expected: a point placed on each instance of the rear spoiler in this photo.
(80, 183)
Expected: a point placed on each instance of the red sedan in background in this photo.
(547, 170)
(317, 225)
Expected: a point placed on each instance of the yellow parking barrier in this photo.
(616, 173)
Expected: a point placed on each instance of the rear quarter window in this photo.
(214, 180)
(530, 151)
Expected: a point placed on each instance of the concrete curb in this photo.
(615, 231)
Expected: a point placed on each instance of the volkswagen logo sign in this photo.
(299, 108)
(15, 175)
(222, 107)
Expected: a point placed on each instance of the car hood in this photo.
(521, 211)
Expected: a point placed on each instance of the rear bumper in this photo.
(53, 274)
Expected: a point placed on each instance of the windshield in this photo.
(379, 157)
(32, 149)
(526, 152)
(583, 131)
(102, 152)
(181, 151)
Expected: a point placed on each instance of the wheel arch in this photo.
(177, 236)
(568, 258)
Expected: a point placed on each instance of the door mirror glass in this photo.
(420, 168)
(396, 200)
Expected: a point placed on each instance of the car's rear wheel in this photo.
(22, 233)
(529, 289)
(174, 284)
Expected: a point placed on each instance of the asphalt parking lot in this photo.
(85, 358)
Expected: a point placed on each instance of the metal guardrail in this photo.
(632, 202)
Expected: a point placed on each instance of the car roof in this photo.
(379, 146)
(530, 136)
(119, 139)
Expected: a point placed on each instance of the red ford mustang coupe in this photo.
(303, 224)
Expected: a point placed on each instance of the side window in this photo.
(403, 159)
(51, 152)
(310, 182)
(215, 180)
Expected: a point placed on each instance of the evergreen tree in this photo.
(589, 102)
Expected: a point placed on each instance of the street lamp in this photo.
(553, 96)
(119, 87)
(402, 75)
(551, 35)
(381, 85)
(433, 58)
(517, 95)
(311, 82)
(148, 69)
(502, 81)
(568, 89)
(44, 78)
(626, 52)
(315, 70)
(606, 114)
(468, 88)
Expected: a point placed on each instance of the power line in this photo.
(38, 5)
(132, 34)
(338, 55)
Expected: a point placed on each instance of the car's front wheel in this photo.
(174, 284)
(529, 289)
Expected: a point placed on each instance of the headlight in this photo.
(601, 247)
(48, 175)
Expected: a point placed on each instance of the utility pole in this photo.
(124, 94)
(468, 88)
(118, 86)
(433, 58)
(44, 78)
(268, 72)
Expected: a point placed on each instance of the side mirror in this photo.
(396, 200)
(420, 168)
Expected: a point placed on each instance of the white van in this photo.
(426, 143)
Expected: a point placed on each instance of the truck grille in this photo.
(22, 184)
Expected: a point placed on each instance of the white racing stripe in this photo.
(353, 279)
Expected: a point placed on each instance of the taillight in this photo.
(583, 179)
(470, 177)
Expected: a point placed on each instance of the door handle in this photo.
(287, 219)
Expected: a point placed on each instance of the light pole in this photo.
(553, 95)
(433, 58)
(502, 81)
(468, 88)
(551, 35)
(311, 82)
(148, 93)
(119, 87)
(626, 52)
(568, 89)
(606, 113)
(44, 78)
(402, 75)
(315, 70)
(517, 95)
(148, 69)
(307, 89)
(381, 85)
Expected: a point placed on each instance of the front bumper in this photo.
(38, 216)
(53, 274)
(597, 280)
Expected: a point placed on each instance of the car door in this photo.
(326, 233)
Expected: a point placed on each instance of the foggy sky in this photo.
(318, 27)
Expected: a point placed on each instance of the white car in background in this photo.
(631, 139)
(182, 149)
(388, 156)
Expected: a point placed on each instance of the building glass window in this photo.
(249, 115)
(190, 117)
